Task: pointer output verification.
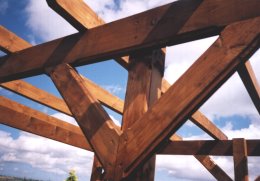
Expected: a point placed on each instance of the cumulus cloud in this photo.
(177, 166)
(45, 23)
(231, 99)
(48, 25)
(45, 154)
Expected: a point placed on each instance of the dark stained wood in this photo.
(208, 147)
(8, 41)
(174, 23)
(240, 159)
(24, 118)
(248, 77)
(95, 123)
(219, 62)
(97, 173)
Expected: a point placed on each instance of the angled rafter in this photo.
(9, 41)
(156, 28)
(206, 161)
(24, 118)
(206, 125)
(209, 147)
(189, 92)
(248, 77)
(201, 120)
(25, 89)
(81, 17)
(95, 123)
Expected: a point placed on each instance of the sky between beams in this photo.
(22, 154)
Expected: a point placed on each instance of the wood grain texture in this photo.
(248, 77)
(190, 91)
(8, 41)
(158, 27)
(29, 91)
(208, 147)
(206, 125)
(95, 123)
(24, 118)
(143, 89)
(240, 159)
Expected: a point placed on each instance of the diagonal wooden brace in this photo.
(219, 62)
(100, 131)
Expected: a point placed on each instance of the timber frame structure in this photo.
(153, 110)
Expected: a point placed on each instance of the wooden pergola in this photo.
(153, 110)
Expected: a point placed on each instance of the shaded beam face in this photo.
(24, 118)
(193, 87)
(158, 27)
(248, 77)
(209, 147)
(95, 123)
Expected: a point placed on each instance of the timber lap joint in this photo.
(148, 128)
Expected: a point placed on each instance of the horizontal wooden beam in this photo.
(24, 118)
(178, 22)
(206, 161)
(208, 147)
(189, 92)
(29, 91)
(100, 131)
(248, 77)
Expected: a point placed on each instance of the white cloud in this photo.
(65, 118)
(231, 99)
(3, 6)
(45, 23)
(177, 166)
(113, 89)
(48, 25)
(45, 154)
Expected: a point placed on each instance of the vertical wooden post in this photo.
(240, 159)
(143, 89)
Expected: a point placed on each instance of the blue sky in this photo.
(23, 154)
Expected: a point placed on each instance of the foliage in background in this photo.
(72, 176)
